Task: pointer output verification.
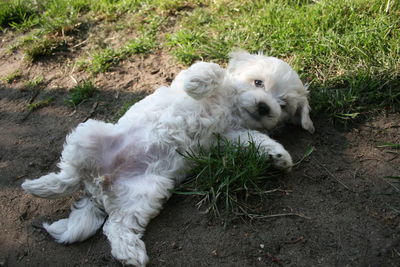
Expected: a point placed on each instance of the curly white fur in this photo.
(127, 169)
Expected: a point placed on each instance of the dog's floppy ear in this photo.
(298, 108)
(302, 115)
(305, 119)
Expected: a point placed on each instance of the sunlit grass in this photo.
(348, 51)
(226, 175)
(80, 92)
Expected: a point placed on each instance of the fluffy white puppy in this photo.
(127, 169)
(278, 78)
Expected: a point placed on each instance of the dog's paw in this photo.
(130, 252)
(202, 78)
(281, 159)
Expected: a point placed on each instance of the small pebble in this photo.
(214, 253)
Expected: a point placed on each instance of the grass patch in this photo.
(10, 78)
(347, 50)
(80, 92)
(39, 104)
(35, 82)
(13, 13)
(227, 175)
(144, 43)
(185, 44)
(36, 48)
(104, 59)
(141, 45)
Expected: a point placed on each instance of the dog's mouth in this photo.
(258, 114)
(253, 115)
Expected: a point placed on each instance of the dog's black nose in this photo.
(263, 109)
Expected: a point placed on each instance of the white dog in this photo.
(127, 169)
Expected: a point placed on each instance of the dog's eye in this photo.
(259, 83)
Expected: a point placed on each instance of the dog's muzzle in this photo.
(261, 110)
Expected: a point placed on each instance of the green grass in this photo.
(226, 175)
(13, 13)
(40, 47)
(348, 50)
(390, 145)
(104, 59)
(35, 82)
(144, 43)
(80, 92)
(141, 45)
(39, 104)
(10, 78)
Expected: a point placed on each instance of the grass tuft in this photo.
(186, 46)
(35, 82)
(16, 75)
(39, 104)
(103, 60)
(141, 45)
(13, 13)
(80, 92)
(227, 175)
(37, 48)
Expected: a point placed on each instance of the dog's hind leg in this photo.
(81, 149)
(52, 185)
(141, 200)
(85, 219)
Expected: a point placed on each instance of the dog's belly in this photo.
(125, 155)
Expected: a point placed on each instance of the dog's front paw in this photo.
(202, 78)
(281, 159)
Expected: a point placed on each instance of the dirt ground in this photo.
(336, 209)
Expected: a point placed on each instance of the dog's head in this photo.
(274, 92)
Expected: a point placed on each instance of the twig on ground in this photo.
(91, 111)
(395, 187)
(332, 175)
(72, 77)
(35, 94)
(20, 177)
(81, 43)
(300, 239)
(259, 216)
(274, 190)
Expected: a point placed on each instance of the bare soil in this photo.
(337, 208)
